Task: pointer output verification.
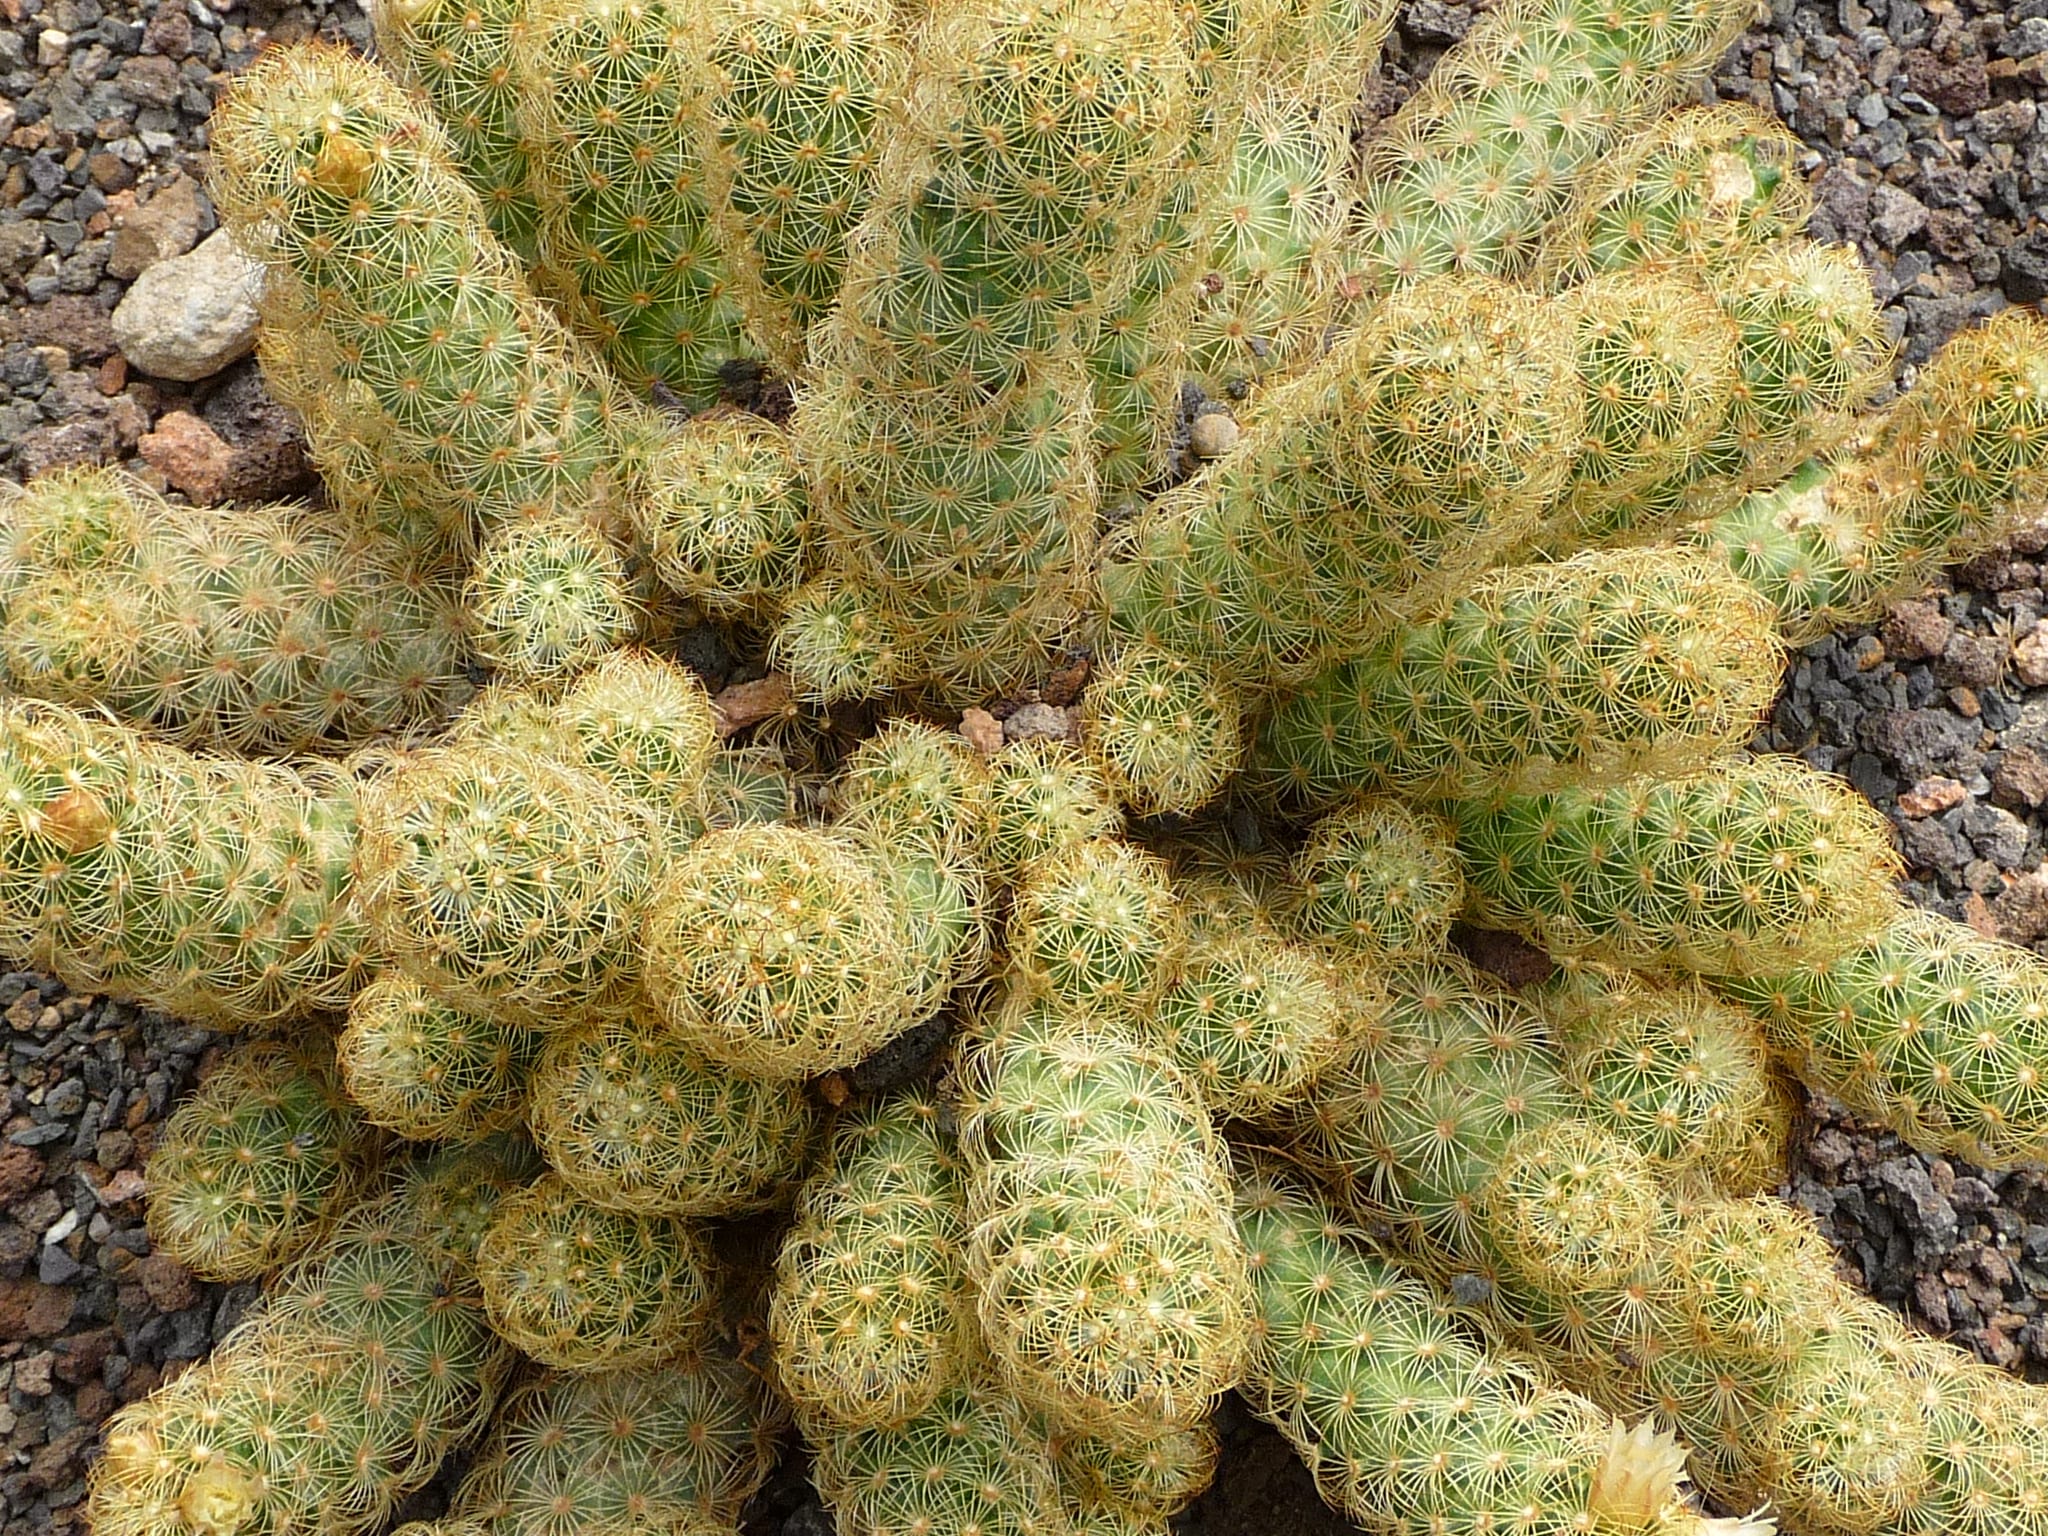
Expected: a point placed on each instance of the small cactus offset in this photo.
(253, 1166)
(429, 1071)
(633, 1121)
(1181, 561)
(681, 1444)
(583, 1288)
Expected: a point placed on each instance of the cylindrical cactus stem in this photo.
(259, 630)
(1166, 732)
(871, 1314)
(1028, 165)
(949, 430)
(1235, 280)
(1469, 173)
(1044, 797)
(214, 888)
(961, 527)
(1580, 672)
(370, 1363)
(797, 98)
(1268, 271)
(633, 1122)
(1926, 1026)
(1096, 926)
(254, 1166)
(1371, 488)
(1677, 1073)
(429, 1071)
(1742, 869)
(726, 518)
(613, 93)
(1376, 881)
(463, 56)
(585, 1289)
(402, 330)
(777, 952)
(679, 1445)
(1111, 1283)
(1701, 191)
(972, 1460)
(1962, 454)
(508, 882)
(1404, 1415)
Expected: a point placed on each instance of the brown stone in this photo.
(2030, 659)
(168, 225)
(2020, 911)
(110, 173)
(141, 1380)
(169, 32)
(1930, 797)
(73, 321)
(92, 1402)
(31, 1310)
(150, 79)
(1959, 86)
(80, 1356)
(21, 1172)
(1065, 685)
(125, 1185)
(168, 1284)
(192, 456)
(49, 1310)
(2021, 779)
(745, 704)
(32, 1374)
(982, 730)
(60, 1461)
(1915, 630)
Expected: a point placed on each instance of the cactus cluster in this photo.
(980, 1109)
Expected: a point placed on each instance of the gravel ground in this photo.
(1930, 155)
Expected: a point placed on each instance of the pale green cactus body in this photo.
(1926, 1026)
(1575, 673)
(613, 92)
(464, 55)
(1737, 870)
(255, 1165)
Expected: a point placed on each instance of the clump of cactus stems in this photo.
(1552, 441)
